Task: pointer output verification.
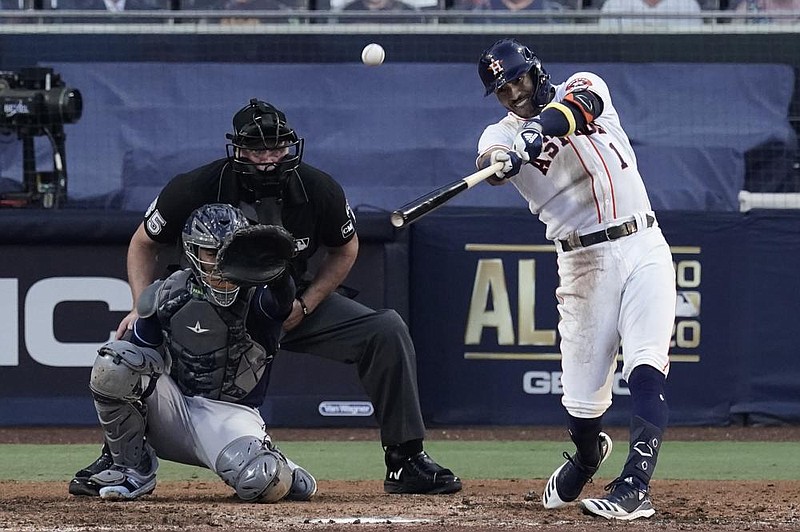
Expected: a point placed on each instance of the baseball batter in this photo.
(186, 384)
(564, 149)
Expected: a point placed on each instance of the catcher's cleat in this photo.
(625, 501)
(304, 485)
(418, 474)
(81, 484)
(128, 483)
(567, 482)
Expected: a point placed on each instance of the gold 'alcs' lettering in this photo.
(490, 307)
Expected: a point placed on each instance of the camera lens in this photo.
(70, 105)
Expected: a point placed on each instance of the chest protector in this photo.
(212, 354)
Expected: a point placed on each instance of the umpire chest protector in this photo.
(212, 354)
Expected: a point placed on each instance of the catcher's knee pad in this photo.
(254, 469)
(124, 371)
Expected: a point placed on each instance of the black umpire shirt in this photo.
(325, 219)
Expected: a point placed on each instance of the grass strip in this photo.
(713, 460)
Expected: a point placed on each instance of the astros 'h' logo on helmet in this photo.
(496, 66)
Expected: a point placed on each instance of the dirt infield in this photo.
(202, 506)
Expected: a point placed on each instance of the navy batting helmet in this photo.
(508, 60)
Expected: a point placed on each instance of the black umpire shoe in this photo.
(82, 484)
(418, 474)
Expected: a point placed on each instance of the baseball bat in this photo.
(413, 211)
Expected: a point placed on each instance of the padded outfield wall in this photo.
(480, 303)
(62, 276)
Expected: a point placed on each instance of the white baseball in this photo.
(373, 54)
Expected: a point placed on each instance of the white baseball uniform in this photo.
(617, 290)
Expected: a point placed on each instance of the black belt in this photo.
(610, 233)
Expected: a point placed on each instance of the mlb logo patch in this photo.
(348, 229)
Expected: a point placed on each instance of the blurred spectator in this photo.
(7, 9)
(770, 6)
(368, 7)
(112, 6)
(106, 11)
(520, 6)
(338, 5)
(377, 5)
(243, 6)
(672, 7)
(256, 5)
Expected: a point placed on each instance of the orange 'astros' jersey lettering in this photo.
(552, 145)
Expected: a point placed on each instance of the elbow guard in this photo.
(585, 106)
(577, 109)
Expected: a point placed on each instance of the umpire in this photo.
(263, 174)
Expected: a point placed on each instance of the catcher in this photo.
(187, 383)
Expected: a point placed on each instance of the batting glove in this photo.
(528, 142)
(511, 163)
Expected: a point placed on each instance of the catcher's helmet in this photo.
(209, 227)
(260, 126)
(508, 60)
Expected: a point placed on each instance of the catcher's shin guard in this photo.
(256, 470)
(122, 375)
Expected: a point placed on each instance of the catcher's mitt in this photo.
(255, 255)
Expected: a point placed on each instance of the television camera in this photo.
(35, 102)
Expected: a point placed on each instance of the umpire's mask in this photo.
(264, 150)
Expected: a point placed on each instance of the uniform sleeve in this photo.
(338, 223)
(147, 332)
(274, 302)
(165, 217)
(499, 135)
(581, 81)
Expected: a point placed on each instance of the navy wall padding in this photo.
(393, 133)
(746, 365)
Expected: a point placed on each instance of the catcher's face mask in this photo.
(204, 233)
(219, 290)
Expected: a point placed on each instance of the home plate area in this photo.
(366, 521)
